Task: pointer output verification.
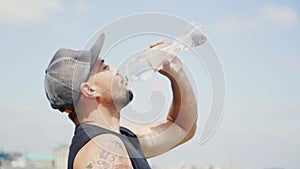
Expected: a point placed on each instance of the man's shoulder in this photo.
(109, 143)
(102, 150)
(125, 131)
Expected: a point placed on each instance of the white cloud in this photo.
(237, 25)
(285, 16)
(81, 6)
(16, 11)
(281, 17)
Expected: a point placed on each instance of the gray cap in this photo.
(65, 73)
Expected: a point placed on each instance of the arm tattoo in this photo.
(90, 166)
(108, 155)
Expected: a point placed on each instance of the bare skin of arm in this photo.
(104, 151)
(180, 123)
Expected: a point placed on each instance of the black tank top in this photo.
(85, 132)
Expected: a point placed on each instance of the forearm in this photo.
(183, 110)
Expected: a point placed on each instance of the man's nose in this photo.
(115, 70)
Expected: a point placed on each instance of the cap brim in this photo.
(96, 49)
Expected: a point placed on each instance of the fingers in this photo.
(159, 42)
(176, 60)
(166, 65)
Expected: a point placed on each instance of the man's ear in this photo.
(88, 91)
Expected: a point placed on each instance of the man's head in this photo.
(72, 74)
(106, 86)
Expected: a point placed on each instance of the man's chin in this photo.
(128, 98)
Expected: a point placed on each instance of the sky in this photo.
(257, 43)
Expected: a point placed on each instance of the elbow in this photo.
(191, 133)
(193, 126)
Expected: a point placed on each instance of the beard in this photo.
(128, 97)
(121, 95)
(120, 101)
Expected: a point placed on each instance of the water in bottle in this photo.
(144, 64)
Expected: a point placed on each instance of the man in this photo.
(93, 93)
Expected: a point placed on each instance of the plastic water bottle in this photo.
(143, 65)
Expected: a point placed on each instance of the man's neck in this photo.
(105, 117)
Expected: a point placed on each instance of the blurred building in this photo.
(182, 166)
(190, 166)
(45, 161)
(61, 157)
(19, 161)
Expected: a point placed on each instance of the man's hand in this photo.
(171, 67)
